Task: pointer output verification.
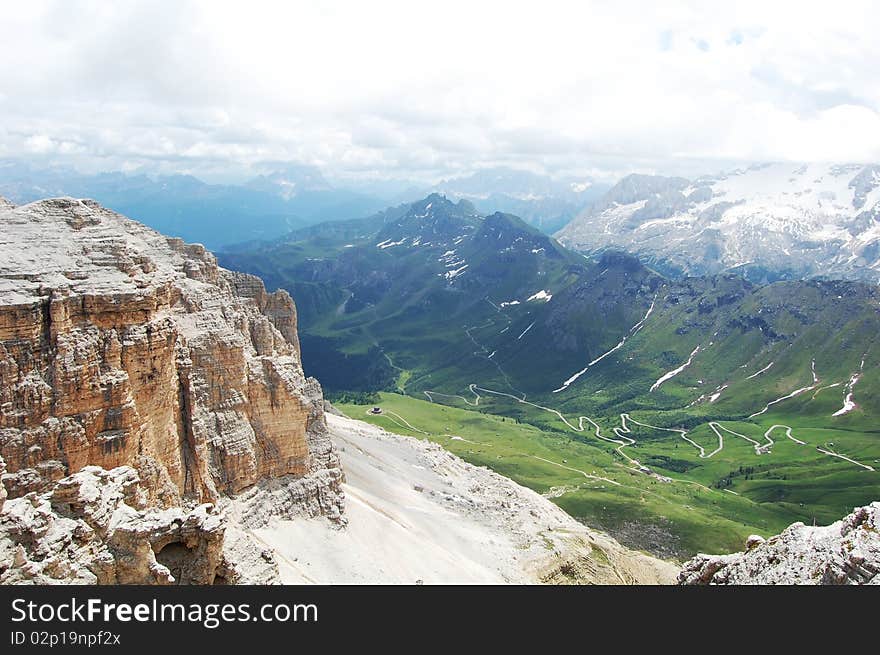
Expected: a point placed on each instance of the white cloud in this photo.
(398, 89)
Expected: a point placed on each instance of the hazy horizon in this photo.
(342, 179)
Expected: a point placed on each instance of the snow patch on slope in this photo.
(541, 295)
(671, 374)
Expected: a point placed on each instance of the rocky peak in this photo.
(434, 219)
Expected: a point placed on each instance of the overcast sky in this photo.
(422, 90)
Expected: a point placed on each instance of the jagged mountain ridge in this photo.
(769, 221)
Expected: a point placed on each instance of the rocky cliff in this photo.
(843, 553)
(131, 353)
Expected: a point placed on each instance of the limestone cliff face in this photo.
(122, 347)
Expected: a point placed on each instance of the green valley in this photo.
(703, 505)
(679, 414)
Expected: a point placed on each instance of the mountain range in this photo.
(766, 222)
(679, 414)
(748, 395)
(763, 394)
(391, 276)
(290, 197)
(184, 206)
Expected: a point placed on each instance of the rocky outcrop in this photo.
(120, 347)
(843, 553)
(95, 527)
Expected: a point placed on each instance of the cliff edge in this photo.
(130, 360)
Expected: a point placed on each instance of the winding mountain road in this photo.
(620, 432)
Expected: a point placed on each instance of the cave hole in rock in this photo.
(179, 559)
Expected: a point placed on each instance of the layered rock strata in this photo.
(120, 347)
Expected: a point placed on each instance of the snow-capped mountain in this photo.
(766, 221)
